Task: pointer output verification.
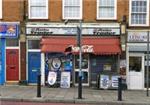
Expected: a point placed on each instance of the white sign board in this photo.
(65, 80)
(52, 76)
(114, 80)
(137, 36)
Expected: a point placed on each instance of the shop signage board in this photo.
(52, 76)
(136, 36)
(114, 81)
(9, 30)
(85, 48)
(65, 80)
(47, 31)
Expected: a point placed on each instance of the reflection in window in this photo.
(12, 42)
(34, 44)
(135, 64)
(84, 61)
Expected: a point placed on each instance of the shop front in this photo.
(9, 52)
(100, 55)
(100, 47)
(137, 59)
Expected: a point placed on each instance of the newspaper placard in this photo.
(65, 80)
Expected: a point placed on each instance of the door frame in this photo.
(88, 70)
(130, 54)
(18, 48)
(30, 50)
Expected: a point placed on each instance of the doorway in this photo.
(85, 70)
(136, 71)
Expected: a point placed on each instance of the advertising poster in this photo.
(52, 76)
(65, 80)
(104, 81)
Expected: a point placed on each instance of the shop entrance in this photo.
(85, 70)
(136, 71)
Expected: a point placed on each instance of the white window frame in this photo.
(74, 18)
(1, 2)
(107, 18)
(46, 17)
(147, 14)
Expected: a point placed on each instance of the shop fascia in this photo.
(71, 29)
(137, 36)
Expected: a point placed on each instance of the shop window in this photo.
(72, 9)
(0, 9)
(135, 64)
(106, 9)
(139, 12)
(12, 42)
(84, 61)
(33, 44)
(38, 9)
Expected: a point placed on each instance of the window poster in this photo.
(107, 67)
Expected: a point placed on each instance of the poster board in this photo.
(65, 80)
(52, 76)
(114, 80)
(104, 81)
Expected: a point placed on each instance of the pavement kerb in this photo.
(73, 101)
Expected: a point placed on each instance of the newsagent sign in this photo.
(9, 30)
(47, 31)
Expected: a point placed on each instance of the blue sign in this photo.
(9, 30)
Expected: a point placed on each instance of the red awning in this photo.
(95, 45)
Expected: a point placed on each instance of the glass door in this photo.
(85, 70)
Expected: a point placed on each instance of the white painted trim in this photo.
(35, 50)
(29, 13)
(42, 69)
(147, 16)
(73, 18)
(106, 18)
(1, 9)
(12, 47)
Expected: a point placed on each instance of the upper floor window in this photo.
(38, 9)
(0, 9)
(72, 9)
(106, 9)
(139, 13)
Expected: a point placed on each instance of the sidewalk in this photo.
(90, 95)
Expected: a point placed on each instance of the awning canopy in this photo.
(95, 45)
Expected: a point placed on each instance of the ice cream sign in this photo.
(9, 30)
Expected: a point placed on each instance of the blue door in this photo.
(2, 61)
(34, 65)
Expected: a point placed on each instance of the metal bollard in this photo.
(39, 85)
(119, 89)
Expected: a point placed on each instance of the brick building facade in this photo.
(42, 21)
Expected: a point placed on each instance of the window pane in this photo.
(38, 11)
(106, 12)
(12, 43)
(72, 8)
(37, 2)
(106, 8)
(139, 12)
(34, 44)
(72, 11)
